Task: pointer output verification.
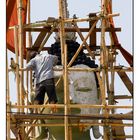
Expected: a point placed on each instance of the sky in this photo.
(43, 9)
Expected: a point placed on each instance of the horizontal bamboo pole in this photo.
(127, 69)
(98, 69)
(57, 21)
(79, 124)
(73, 117)
(84, 116)
(91, 18)
(71, 106)
(71, 29)
(67, 29)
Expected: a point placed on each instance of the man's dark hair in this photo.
(32, 54)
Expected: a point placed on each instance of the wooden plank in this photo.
(39, 39)
(126, 81)
(118, 131)
(92, 39)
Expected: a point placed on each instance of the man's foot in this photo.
(54, 109)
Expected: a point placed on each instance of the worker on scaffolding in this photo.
(42, 64)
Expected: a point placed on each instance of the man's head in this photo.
(32, 54)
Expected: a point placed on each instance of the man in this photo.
(42, 64)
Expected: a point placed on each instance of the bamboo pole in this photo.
(72, 106)
(17, 62)
(88, 69)
(57, 21)
(67, 29)
(79, 124)
(20, 37)
(62, 32)
(110, 117)
(29, 45)
(7, 99)
(104, 65)
(21, 50)
(64, 63)
(66, 95)
(81, 46)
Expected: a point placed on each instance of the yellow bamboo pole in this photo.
(66, 94)
(79, 124)
(57, 21)
(104, 65)
(21, 50)
(67, 99)
(64, 63)
(20, 37)
(7, 99)
(62, 31)
(110, 117)
(17, 62)
(29, 45)
(128, 69)
(112, 64)
(72, 106)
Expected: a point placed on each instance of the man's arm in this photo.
(30, 64)
(55, 60)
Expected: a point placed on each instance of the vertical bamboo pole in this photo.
(20, 36)
(21, 50)
(64, 63)
(29, 45)
(29, 39)
(103, 57)
(66, 95)
(29, 21)
(17, 62)
(62, 32)
(7, 99)
(111, 98)
(103, 64)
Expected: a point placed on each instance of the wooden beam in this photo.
(39, 39)
(118, 131)
(75, 124)
(92, 39)
(58, 116)
(72, 29)
(126, 81)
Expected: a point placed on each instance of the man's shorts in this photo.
(48, 86)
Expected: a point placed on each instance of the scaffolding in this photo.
(22, 123)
